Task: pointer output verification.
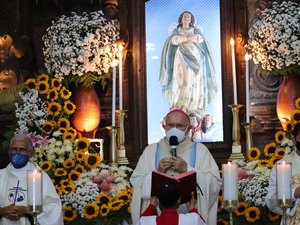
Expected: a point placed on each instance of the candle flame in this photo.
(231, 42)
(247, 57)
(120, 47)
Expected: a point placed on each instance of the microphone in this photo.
(173, 141)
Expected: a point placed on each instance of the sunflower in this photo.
(252, 214)
(79, 168)
(273, 160)
(43, 87)
(279, 153)
(69, 107)
(49, 126)
(270, 149)
(253, 153)
(104, 210)
(222, 222)
(103, 198)
(64, 123)
(297, 103)
(55, 83)
(123, 196)
(69, 163)
(54, 108)
(73, 175)
(279, 136)
(60, 172)
(289, 126)
(65, 182)
(30, 84)
(83, 144)
(46, 166)
(68, 135)
(273, 216)
(263, 163)
(117, 205)
(91, 210)
(52, 94)
(80, 155)
(42, 77)
(69, 188)
(92, 160)
(69, 214)
(65, 93)
(296, 115)
(240, 210)
(62, 130)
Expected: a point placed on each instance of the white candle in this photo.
(114, 95)
(230, 181)
(284, 176)
(233, 72)
(34, 188)
(120, 77)
(247, 88)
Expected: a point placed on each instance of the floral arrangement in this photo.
(81, 47)
(90, 190)
(45, 108)
(274, 40)
(253, 178)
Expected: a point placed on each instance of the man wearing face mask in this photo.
(293, 213)
(189, 156)
(13, 189)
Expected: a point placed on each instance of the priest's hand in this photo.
(164, 164)
(178, 164)
(13, 212)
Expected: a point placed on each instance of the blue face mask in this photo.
(18, 160)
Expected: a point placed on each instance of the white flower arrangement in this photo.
(81, 47)
(274, 41)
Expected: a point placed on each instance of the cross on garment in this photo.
(16, 194)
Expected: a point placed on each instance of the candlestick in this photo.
(113, 145)
(247, 88)
(120, 77)
(249, 140)
(236, 135)
(233, 72)
(34, 193)
(121, 155)
(114, 96)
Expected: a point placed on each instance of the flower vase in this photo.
(88, 111)
(289, 91)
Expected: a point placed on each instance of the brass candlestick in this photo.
(249, 141)
(229, 206)
(121, 154)
(236, 144)
(113, 145)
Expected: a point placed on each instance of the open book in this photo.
(186, 183)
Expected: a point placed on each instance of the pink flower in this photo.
(104, 186)
(243, 174)
(97, 179)
(110, 178)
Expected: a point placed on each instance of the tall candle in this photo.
(284, 176)
(34, 188)
(120, 77)
(230, 181)
(114, 95)
(247, 88)
(233, 72)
